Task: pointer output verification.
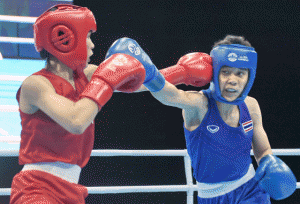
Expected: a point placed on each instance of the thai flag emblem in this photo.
(247, 126)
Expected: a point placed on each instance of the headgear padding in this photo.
(63, 33)
(237, 56)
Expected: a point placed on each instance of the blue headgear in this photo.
(234, 55)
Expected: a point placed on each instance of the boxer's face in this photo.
(90, 46)
(232, 82)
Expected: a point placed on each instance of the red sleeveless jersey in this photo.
(44, 140)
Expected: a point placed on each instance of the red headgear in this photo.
(63, 33)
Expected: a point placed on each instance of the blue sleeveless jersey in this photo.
(219, 152)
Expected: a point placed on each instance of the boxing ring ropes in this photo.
(189, 188)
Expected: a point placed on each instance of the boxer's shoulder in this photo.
(36, 83)
(198, 98)
(252, 105)
(32, 89)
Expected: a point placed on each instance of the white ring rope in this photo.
(189, 188)
(128, 189)
(110, 153)
(138, 153)
(9, 139)
(12, 78)
(17, 19)
(17, 40)
(132, 189)
(9, 108)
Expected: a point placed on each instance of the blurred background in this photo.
(166, 30)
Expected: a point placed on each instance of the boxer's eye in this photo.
(241, 74)
(225, 72)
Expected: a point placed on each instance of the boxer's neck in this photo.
(225, 109)
(58, 68)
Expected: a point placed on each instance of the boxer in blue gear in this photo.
(222, 124)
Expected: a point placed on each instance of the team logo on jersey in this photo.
(247, 126)
(212, 128)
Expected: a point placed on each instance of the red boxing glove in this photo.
(192, 69)
(120, 71)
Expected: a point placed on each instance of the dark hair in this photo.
(53, 9)
(45, 55)
(233, 39)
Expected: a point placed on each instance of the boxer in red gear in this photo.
(58, 105)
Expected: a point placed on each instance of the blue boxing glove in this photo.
(275, 177)
(154, 80)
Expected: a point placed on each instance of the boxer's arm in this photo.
(273, 175)
(74, 117)
(260, 143)
(141, 89)
(172, 96)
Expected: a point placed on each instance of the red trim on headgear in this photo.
(63, 33)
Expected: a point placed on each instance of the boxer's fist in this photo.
(121, 72)
(198, 68)
(192, 69)
(154, 81)
(275, 177)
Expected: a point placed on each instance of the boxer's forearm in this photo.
(170, 96)
(141, 89)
